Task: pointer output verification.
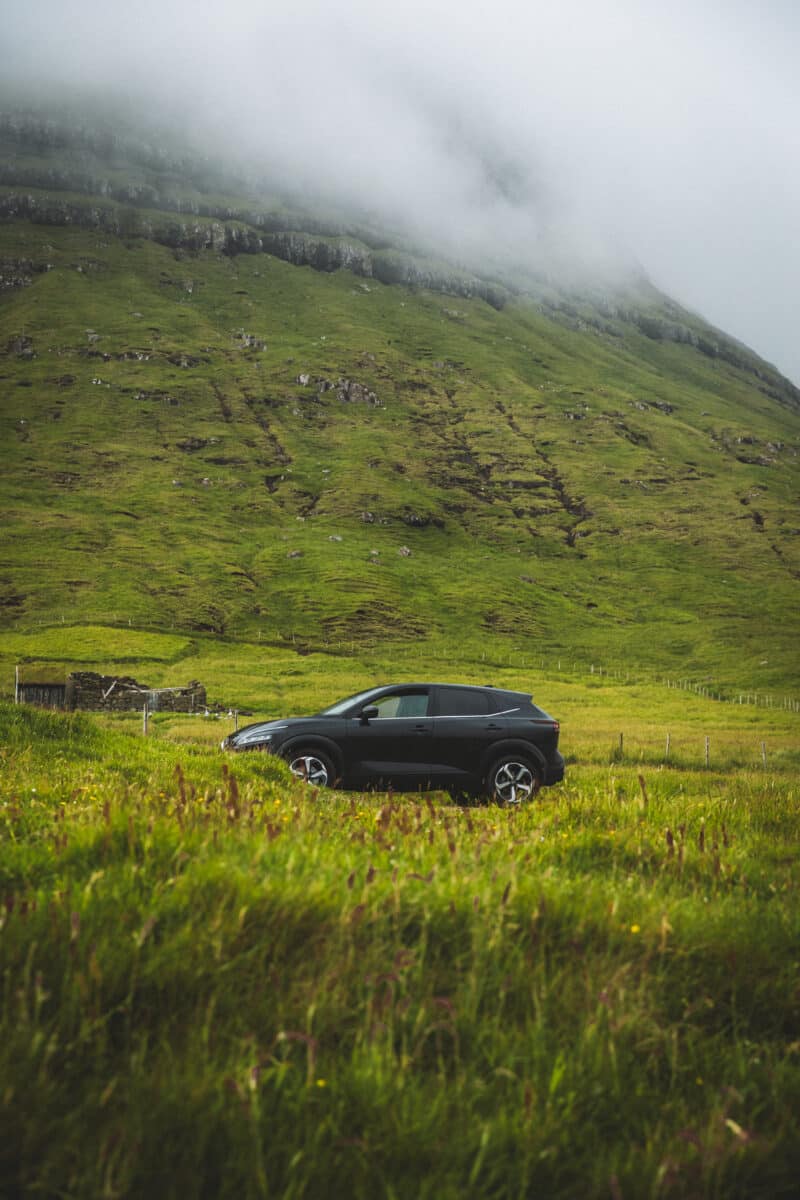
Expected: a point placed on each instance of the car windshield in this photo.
(341, 706)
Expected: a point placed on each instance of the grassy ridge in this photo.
(501, 478)
(313, 994)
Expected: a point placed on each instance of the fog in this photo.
(586, 137)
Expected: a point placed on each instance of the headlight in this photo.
(253, 737)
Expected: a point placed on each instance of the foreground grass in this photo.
(215, 982)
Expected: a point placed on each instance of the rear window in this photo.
(528, 709)
(462, 702)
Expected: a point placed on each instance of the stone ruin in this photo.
(93, 692)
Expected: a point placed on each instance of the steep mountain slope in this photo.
(238, 419)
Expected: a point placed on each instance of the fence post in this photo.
(708, 756)
(666, 752)
(145, 716)
(16, 684)
(621, 741)
(235, 720)
(764, 754)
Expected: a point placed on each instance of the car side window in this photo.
(462, 702)
(402, 704)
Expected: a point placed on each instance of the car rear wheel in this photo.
(312, 767)
(513, 780)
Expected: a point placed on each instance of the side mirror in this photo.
(369, 713)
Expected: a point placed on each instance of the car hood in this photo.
(263, 729)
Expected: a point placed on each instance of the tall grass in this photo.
(218, 982)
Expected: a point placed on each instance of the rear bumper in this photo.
(554, 771)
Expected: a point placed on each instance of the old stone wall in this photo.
(110, 693)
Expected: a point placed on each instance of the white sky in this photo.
(672, 130)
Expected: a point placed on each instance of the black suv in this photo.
(412, 736)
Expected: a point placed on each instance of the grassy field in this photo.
(215, 982)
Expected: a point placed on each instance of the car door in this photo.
(464, 726)
(392, 749)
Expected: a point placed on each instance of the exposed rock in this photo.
(422, 520)
(304, 250)
(22, 346)
(190, 444)
(351, 392)
(17, 273)
(180, 359)
(250, 341)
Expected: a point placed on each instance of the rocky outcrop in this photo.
(19, 272)
(323, 254)
(301, 248)
(667, 322)
(349, 391)
(21, 346)
(142, 211)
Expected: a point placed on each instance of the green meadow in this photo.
(218, 982)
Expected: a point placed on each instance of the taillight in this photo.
(556, 727)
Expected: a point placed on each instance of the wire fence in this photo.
(497, 656)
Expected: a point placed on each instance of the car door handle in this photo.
(422, 729)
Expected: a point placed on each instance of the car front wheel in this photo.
(312, 767)
(512, 781)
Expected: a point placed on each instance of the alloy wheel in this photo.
(311, 769)
(514, 782)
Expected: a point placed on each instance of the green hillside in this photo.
(200, 435)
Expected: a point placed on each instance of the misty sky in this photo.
(596, 130)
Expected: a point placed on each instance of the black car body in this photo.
(414, 736)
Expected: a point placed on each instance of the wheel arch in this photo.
(313, 742)
(513, 746)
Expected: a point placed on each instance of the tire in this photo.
(512, 780)
(312, 766)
